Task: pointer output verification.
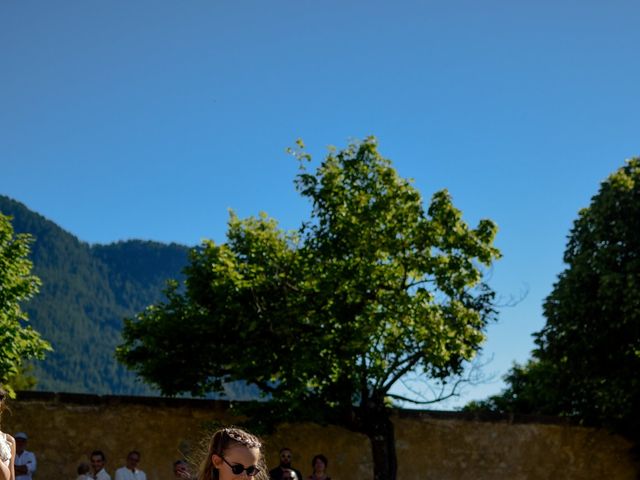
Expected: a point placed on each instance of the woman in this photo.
(7, 446)
(84, 472)
(319, 464)
(233, 453)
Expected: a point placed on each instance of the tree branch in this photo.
(420, 282)
(453, 393)
(410, 361)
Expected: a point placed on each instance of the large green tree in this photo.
(586, 364)
(19, 342)
(328, 318)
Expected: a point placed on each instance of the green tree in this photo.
(587, 359)
(327, 319)
(18, 341)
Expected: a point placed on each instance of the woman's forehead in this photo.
(242, 453)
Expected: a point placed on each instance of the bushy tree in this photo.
(18, 341)
(586, 364)
(327, 319)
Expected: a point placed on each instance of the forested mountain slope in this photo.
(86, 292)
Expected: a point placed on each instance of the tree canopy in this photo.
(19, 342)
(587, 356)
(327, 318)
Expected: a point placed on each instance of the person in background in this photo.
(83, 472)
(25, 462)
(285, 463)
(181, 470)
(233, 453)
(98, 461)
(288, 474)
(131, 471)
(7, 446)
(319, 465)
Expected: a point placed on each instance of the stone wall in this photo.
(64, 428)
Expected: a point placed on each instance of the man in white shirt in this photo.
(131, 470)
(25, 462)
(97, 465)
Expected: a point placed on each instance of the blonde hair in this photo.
(224, 439)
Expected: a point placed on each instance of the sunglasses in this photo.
(237, 469)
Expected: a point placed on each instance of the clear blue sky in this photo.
(149, 119)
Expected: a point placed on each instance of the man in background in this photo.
(285, 464)
(25, 462)
(131, 471)
(97, 465)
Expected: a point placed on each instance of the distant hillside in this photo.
(86, 292)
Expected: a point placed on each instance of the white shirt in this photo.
(26, 458)
(125, 474)
(103, 475)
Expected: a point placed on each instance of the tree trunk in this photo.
(377, 425)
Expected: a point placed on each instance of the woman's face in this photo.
(319, 465)
(234, 458)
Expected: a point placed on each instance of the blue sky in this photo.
(150, 119)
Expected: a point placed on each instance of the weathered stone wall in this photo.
(64, 428)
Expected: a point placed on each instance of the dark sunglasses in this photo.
(237, 469)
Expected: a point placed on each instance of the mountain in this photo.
(87, 291)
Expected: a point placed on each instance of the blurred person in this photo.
(319, 463)
(7, 445)
(286, 456)
(233, 453)
(98, 461)
(131, 471)
(181, 470)
(288, 474)
(25, 462)
(84, 472)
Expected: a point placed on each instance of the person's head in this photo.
(97, 460)
(83, 468)
(288, 474)
(285, 457)
(133, 457)
(181, 469)
(21, 441)
(233, 453)
(319, 463)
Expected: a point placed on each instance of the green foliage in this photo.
(370, 288)
(19, 342)
(587, 358)
(325, 320)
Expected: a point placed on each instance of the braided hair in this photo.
(224, 439)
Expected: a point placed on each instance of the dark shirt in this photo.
(276, 473)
